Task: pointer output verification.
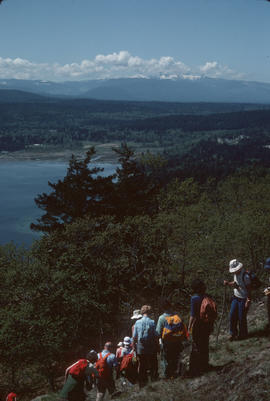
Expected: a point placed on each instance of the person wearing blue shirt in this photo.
(106, 382)
(145, 341)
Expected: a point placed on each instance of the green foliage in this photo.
(134, 188)
(82, 191)
(116, 244)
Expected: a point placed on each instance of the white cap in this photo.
(127, 341)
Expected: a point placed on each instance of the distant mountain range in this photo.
(140, 89)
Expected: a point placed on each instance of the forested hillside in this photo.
(197, 139)
(113, 244)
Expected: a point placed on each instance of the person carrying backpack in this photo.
(267, 291)
(128, 365)
(200, 327)
(172, 331)
(241, 300)
(145, 341)
(105, 365)
(76, 376)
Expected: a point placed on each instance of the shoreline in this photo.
(56, 156)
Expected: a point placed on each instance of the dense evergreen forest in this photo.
(112, 243)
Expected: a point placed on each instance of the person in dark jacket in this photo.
(267, 291)
(200, 331)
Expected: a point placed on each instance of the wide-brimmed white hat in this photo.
(136, 314)
(235, 266)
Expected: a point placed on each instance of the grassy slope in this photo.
(243, 370)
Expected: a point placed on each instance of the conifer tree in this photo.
(83, 191)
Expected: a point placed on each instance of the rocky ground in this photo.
(241, 371)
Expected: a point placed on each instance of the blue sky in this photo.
(92, 39)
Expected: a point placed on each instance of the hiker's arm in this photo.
(230, 283)
(247, 283)
(248, 301)
(115, 369)
(191, 322)
(134, 338)
(159, 327)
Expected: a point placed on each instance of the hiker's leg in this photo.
(165, 360)
(268, 309)
(77, 393)
(153, 366)
(242, 313)
(180, 366)
(142, 369)
(174, 359)
(204, 348)
(101, 389)
(100, 396)
(194, 361)
(111, 385)
(233, 317)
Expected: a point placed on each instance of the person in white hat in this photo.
(240, 301)
(136, 316)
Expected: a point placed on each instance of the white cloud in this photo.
(115, 65)
(215, 70)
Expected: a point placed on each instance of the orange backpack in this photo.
(208, 310)
(174, 329)
(102, 367)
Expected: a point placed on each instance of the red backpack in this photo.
(77, 369)
(103, 367)
(126, 361)
(208, 310)
(11, 397)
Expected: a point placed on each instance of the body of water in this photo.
(20, 183)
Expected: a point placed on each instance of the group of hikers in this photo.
(136, 357)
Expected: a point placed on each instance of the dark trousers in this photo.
(199, 357)
(170, 358)
(238, 317)
(268, 308)
(147, 362)
(106, 384)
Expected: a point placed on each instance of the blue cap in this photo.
(267, 264)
